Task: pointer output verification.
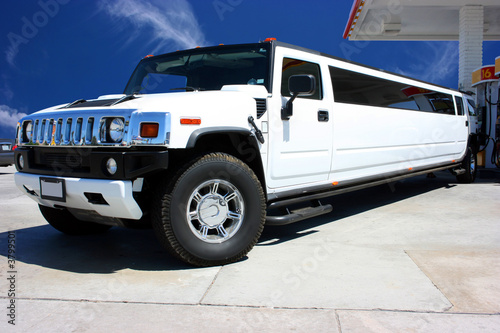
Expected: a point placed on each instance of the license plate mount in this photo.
(53, 189)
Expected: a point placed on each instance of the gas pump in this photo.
(486, 82)
(497, 127)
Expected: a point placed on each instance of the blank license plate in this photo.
(5, 147)
(53, 189)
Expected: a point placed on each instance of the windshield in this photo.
(201, 69)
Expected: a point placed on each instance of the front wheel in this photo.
(212, 213)
(470, 166)
(65, 222)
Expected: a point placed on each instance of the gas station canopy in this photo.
(468, 21)
(417, 20)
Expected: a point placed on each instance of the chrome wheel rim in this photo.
(215, 211)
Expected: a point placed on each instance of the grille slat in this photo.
(87, 139)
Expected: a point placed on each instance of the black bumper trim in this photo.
(92, 163)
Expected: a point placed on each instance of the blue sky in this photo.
(58, 51)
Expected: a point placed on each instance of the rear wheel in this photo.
(212, 213)
(65, 222)
(470, 166)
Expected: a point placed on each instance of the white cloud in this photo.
(9, 117)
(435, 63)
(5, 90)
(172, 22)
(11, 53)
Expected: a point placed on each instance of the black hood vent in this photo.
(81, 103)
(261, 107)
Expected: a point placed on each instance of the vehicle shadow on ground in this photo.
(117, 249)
(356, 202)
(134, 249)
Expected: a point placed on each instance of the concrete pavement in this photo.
(421, 255)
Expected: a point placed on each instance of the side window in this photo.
(441, 103)
(358, 88)
(295, 67)
(460, 105)
(471, 106)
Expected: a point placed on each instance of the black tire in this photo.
(65, 222)
(212, 212)
(470, 165)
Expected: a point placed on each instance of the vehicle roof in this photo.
(291, 46)
(275, 43)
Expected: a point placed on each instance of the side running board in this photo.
(458, 171)
(299, 214)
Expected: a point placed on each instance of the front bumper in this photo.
(117, 194)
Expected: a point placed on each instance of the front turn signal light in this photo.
(149, 130)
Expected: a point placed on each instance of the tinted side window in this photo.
(441, 103)
(460, 105)
(295, 67)
(356, 88)
(471, 106)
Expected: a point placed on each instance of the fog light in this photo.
(20, 162)
(111, 166)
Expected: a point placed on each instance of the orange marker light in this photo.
(269, 39)
(149, 130)
(190, 121)
(149, 56)
(335, 183)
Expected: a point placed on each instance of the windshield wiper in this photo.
(188, 88)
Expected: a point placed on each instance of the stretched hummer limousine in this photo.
(209, 145)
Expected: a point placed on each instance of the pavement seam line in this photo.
(337, 319)
(42, 299)
(435, 285)
(210, 286)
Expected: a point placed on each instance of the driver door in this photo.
(300, 148)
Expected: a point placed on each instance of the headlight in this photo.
(28, 131)
(116, 127)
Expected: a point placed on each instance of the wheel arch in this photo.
(239, 142)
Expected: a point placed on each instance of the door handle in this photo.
(323, 115)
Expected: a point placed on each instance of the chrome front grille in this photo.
(71, 129)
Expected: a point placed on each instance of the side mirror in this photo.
(299, 85)
(303, 85)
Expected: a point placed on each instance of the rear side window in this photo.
(296, 67)
(460, 105)
(357, 88)
(471, 107)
